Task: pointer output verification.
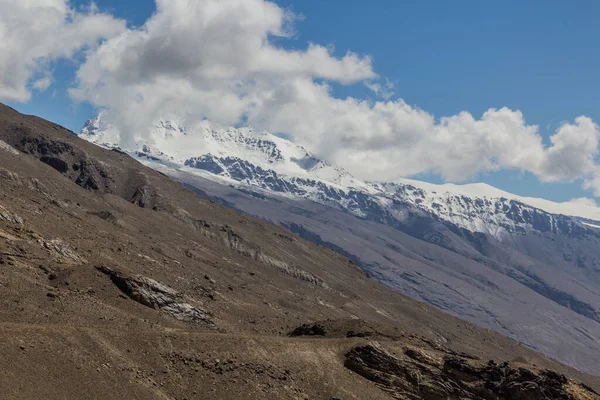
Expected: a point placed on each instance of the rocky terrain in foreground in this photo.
(118, 282)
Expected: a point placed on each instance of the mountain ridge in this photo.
(263, 160)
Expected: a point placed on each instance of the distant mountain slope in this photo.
(472, 250)
(580, 209)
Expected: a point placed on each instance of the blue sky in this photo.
(539, 57)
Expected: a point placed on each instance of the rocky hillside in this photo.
(119, 283)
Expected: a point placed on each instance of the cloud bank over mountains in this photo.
(223, 60)
(36, 33)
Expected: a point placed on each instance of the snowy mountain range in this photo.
(263, 161)
(471, 250)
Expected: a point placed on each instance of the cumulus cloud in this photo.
(206, 58)
(387, 140)
(35, 33)
(220, 59)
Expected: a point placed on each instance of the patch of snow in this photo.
(590, 225)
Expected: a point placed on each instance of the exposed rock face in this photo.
(142, 197)
(155, 295)
(206, 163)
(87, 171)
(58, 248)
(9, 216)
(6, 147)
(61, 156)
(417, 375)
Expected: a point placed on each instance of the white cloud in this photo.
(217, 59)
(384, 90)
(388, 140)
(206, 58)
(584, 201)
(34, 33)
(42, 84)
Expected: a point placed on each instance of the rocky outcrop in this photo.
(346, 328)
(67, 160)
(9, 216)
(418, 375)
(315, 329)
(155, 295)
(60, 250)
(6, 147)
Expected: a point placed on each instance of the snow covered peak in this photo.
(181, 142)
(169, 125)
(91, 127)
(96, 130)
(261, 160)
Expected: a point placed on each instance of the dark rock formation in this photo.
(309, 330)
(419, 376)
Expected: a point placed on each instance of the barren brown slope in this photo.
(117, 282)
